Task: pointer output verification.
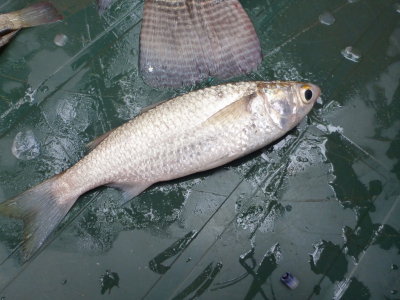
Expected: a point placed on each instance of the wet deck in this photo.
(322, 203)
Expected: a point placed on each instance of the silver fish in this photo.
(198, 131)
(33, 15)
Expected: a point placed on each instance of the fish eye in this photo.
(308, 94)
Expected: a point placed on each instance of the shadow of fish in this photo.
(33, 15)
(191, 133)
(185, 41)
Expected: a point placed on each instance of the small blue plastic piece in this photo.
(289, 280)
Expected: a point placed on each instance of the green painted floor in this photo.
(322, 203)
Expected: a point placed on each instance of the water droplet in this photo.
(394, 267)
(327, 18)
(75, 112)
(108, 281)
(301, 159)
(317, 289)
(25, 146)
(29, 96)
(288, 208)
(67, 110)
(44, 89)
(351, 54)
(60, 40)
(393, 292)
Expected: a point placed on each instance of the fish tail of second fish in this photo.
(7, 37)
(34, 15)
(41, 208)
(185, 41)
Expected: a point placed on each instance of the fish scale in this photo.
(195, 132)
(154, 127)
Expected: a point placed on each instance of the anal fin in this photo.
(151, 106)
(130, 189)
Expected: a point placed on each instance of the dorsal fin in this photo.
(93, 144)
(151, 106)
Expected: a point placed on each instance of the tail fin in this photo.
(5, 39)
(36, 14)
(185, 41)
(41, 208)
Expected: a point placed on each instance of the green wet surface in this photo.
(322, 203)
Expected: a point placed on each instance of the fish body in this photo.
(195, 132)
(183, 42)
(33, 15)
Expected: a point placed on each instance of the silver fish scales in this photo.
(191, 133)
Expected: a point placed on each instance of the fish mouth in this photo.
(316, 90)
(5, 30)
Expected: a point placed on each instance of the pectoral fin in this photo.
(233, 111)
(225, 118)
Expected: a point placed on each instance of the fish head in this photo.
(287, 103)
